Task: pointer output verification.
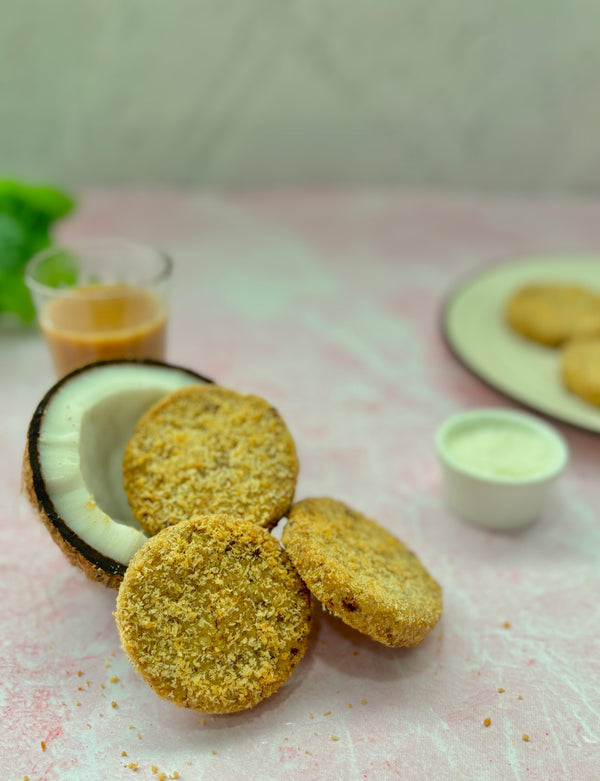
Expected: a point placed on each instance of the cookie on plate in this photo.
(553, 313)
(213, 615)
(362, 573)
(580, 368)
(207, 449)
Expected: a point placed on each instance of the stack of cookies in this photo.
(213, 612)
(566, 317)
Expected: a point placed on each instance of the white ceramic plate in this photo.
(476, 332)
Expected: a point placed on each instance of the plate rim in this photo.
(473, 275)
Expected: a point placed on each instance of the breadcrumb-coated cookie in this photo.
(580, 368)
(213, 615)
(362, 573)
(553, 313)
(207, 449)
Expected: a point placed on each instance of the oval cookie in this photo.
(362, 573)
(553, 313)
(580, 368)
(213, 615)
(207, 449)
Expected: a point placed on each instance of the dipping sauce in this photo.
(101, 322)
(501, 448)
(498, 465)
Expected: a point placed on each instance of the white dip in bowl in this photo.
(498, 464)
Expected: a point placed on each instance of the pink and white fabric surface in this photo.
(328, 305)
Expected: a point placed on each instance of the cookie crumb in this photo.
(487, 722)
(43, 745)
(79, 672)
(501, 690)
(213, 751)
(113, 704)
(520, 697)
(334, 737)
(114, 679)
(363, 702)
(154, 769)
(133, 765)
(328, 713)
(123, 753)
(506, 625)
(526, 738)
(174, 774)
(162, 777)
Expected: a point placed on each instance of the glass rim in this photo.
(35, 286)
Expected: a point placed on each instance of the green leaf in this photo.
(60, 269)
(13, 243)
(45, 203)
(14, 296)
(26, 214)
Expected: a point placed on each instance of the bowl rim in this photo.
(486, 414)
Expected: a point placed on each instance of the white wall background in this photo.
(493, 94)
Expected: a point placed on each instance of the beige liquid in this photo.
(103, 322)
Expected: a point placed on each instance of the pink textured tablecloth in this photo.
(327, 304)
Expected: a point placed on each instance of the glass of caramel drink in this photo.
(100, 300)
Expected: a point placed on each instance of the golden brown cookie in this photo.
(213, 615)
(580, 368)
(207, 449)
(361, 572)
(553, 313)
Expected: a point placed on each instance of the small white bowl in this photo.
(498, 464)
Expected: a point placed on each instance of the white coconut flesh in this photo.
(85, 427)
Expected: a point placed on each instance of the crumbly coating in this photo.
(553, 313)
(213, 615)
(580, 368)
(207, 449)
(362, 573)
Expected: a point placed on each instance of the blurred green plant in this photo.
(26, 215)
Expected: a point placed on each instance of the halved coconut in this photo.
(72, 468)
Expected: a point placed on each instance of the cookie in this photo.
(553, 313)
(213, 615)
(207, 449)
(580, 368)
(361, 573)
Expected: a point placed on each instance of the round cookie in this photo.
(213, 615)
(207, 449)
(553, 313)
(580, 368)
(362, 573)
